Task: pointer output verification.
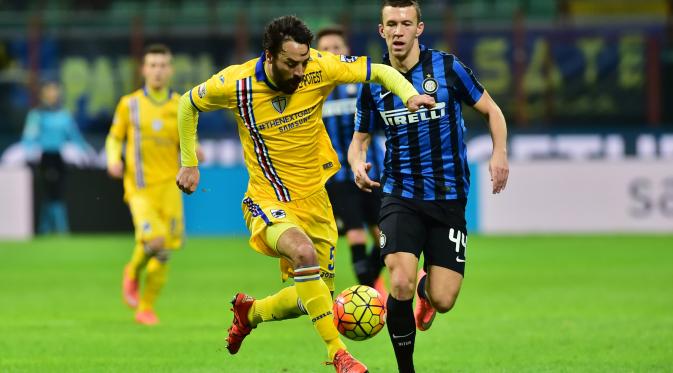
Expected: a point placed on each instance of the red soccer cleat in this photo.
(424, 313)
(147, 317)
(129, 289)
(240, 326)
(380, 286)
(344, 362)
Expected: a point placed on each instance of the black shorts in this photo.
(435, 228)
(353, 208)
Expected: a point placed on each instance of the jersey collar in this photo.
(260, 74)
(149, 97)
(425, 53)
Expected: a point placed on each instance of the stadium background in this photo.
(587, 90)
(577, 80)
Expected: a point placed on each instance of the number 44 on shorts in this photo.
(459, 239)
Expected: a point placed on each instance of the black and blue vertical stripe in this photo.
(338, 116)
(426, 157)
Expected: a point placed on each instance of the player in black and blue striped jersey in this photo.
(354, 209)
(426, 178)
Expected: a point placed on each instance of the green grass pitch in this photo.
(529, 303)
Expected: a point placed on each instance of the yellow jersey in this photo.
(286, 148)
(150, 129)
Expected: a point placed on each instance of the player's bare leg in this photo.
(401, 326)
(442, 288)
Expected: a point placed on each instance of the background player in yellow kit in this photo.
(145, 123)
(278, 100)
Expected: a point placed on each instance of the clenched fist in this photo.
(188, 179)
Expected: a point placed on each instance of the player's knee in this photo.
(156, 243)
(402, 286)
(444, 302)
(356, 236)
(304, 255)
(444, 305)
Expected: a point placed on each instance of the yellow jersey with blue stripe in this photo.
(150, 129)
(286, 148)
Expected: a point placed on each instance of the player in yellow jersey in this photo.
(278, 100)
(145, 123)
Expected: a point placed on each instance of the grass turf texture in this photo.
(534, 304)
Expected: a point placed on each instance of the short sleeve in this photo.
(216, 93)
(342, 69)
(466, 85)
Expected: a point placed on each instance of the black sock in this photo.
(375, 261)
(402, 331)
(421, 288)
(360, 264)
(358, 252)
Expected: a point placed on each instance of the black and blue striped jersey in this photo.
(425, 157)
(338, 114)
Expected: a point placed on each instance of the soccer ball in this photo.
(359, 312)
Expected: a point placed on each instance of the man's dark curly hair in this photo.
(285, 28)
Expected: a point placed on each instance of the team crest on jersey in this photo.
(221, 79)
(348, 59)
(430, 85)
(382, 240)
(202, 90)
(279, 103)
(278, 214)
(157, 124)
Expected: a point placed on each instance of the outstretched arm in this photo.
(498, 165)
(349, 69)
(395, 82)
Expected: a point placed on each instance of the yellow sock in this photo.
(155, 280)
(316, 298)
(280, 306)
(138, 261)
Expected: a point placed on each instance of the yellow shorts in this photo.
(157, 212)
(312, 214)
